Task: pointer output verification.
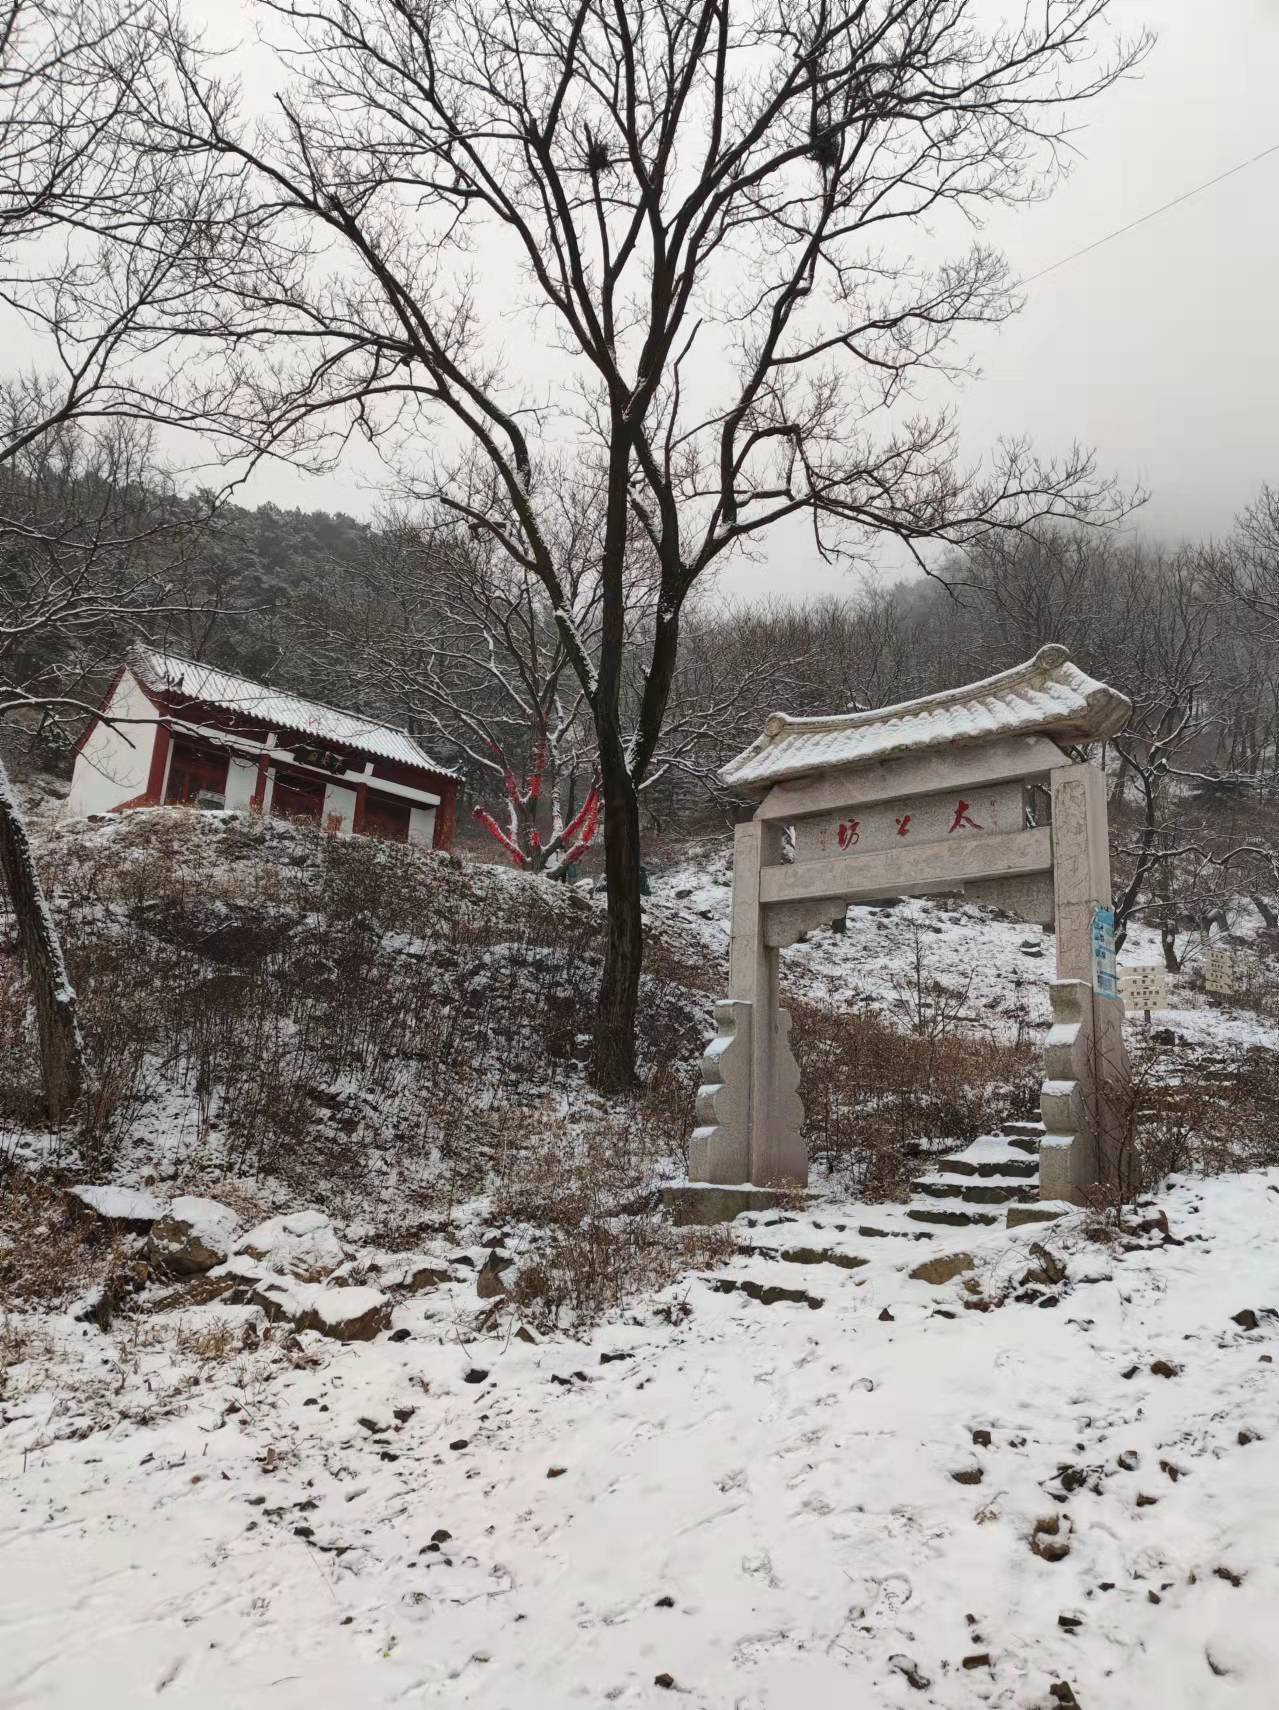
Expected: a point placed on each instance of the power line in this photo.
(1153, 214)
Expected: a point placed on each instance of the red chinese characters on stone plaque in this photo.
(849, 833)
(903, 825)
(963, 820)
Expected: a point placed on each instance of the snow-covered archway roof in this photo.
(1045, 696)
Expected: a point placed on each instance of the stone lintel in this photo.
(894, 872)
(1000, 760)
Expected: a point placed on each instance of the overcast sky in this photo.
(1160, 348)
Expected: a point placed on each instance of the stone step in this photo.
(1025, 1143)
(1002, 1164)
(1030, 1129)
(1042, 1211)
(974, 1192)
(805, 1255)
(950, 1219)
(874, 1234)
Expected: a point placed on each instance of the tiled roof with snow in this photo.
(277, 709)
(1047, 696)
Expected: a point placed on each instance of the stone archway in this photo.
(931, 796)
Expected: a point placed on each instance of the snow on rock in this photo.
(193, 1235)
(128, 1208)
(944, 1268)
(302, 1245)
(346, 1314)
(410, 1275)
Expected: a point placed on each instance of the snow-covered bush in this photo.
(265, 1001)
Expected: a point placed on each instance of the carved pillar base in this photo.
(706, 1202)
(779, 1155)
(1085, 1098)
(1068, 1150)
(719, 1148)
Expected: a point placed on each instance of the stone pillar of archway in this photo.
(750, 1118)
(1087, 1086)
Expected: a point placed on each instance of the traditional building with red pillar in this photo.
(174, 731)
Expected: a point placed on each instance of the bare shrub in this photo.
(602, 1238)
(931, 1006)
(48, 1254)
(1177, 1113)
(1214, 1119)
(877, 1101)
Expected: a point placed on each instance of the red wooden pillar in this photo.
(258, 799)
(357, 819)
(446, 814)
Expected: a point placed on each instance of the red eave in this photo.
(188, 710)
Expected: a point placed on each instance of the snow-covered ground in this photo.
(770, 1505)
(823, 1496)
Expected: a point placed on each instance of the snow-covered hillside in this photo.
(1007, 962)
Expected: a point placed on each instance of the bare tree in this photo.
(695, 206)
(445, 632)
(80, 211)
(1169, 682)
(1246, 569)
(48, 128)
(439, 628)
(736, 665)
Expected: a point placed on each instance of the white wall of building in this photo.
(241, 781)
(114, 764)
(339, 803)
(422, 826)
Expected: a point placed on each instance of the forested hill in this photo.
(418, 623)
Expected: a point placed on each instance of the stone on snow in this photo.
(943, 1268)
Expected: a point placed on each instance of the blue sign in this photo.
(1105, 975)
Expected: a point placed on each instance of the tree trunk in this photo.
(1167, 916)
(618, 1001)
(1264, 909)
(1120, 784)
(61, 1054)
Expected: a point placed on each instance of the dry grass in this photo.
(601, 1240)
(579, 1275)
(48, 1253)
(21, 1344)
(323, 1008)
(212, 1343)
